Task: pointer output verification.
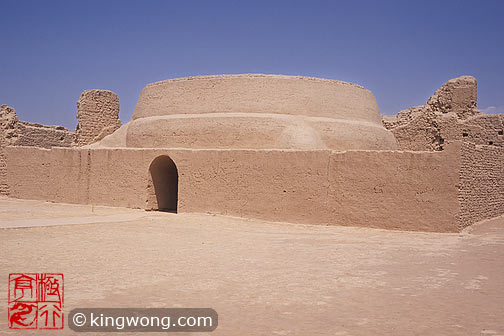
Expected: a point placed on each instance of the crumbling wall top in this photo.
(451, 114)
(459, 95)
(98, 115)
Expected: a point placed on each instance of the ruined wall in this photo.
(458, 95)
(37, 135)
(20, 133)
(7, 120)
(449, 115)
(481, 192)
(415, 129)
(98, 115)
(4, 187)
(394, 190)
(482, 129)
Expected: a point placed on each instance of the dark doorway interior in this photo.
(165, 181)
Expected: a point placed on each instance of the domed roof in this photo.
(254, 111)
(255, 93)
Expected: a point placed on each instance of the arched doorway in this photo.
(163, 188)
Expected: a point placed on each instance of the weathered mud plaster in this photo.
(14, 132)
(396, 190)
(98, 115)
(255, 112)
(449, 115)
(294, 149)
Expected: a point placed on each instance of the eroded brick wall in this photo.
(449, 115)
(98, 115)
(20, 133)
(4, 188)
(481, 186)
(36, 135)
(8, 119)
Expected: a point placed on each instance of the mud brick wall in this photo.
(35, 135)
(20, 133)
(393, 190)
(449, 115)
(8, 120)
(98, 115)
(487, 129)
(481, 188)
(29, 134)
(4, 188)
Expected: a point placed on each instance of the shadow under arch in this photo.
(163, 185)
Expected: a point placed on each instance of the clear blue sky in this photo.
(50, 51)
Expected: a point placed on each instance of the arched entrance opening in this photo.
(163, 186)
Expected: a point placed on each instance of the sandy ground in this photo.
(262, 278)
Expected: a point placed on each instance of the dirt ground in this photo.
(262, 278)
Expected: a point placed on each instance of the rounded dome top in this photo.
(256, 93)
(254, 112)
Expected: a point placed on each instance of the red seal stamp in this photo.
(36, 301)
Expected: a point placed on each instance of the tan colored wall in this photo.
(4, 187)
(30, 134)
(430, 131)
(417, 131)
(459, 95)
(481, 183)
(29, 173)
(8, 118)
(449, 115)
(396, 190)
(98, 115)
(98, 112)
(14, 132)
(482, 129)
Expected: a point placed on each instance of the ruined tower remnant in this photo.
(449, 115)
(98, 115)
(458, 95)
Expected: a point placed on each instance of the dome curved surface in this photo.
(306, 96)
(255, 112)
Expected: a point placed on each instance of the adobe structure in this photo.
(97, 114)
(279, 148)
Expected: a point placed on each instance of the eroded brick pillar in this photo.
(98, 115)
